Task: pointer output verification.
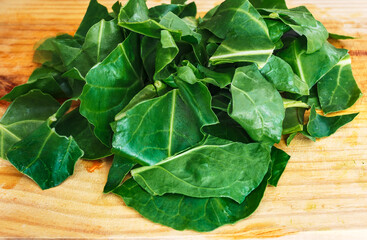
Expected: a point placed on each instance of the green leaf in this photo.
(279, 162)
(289, 103)
(303, 23)
(42, 78)
(23, 116)
(276, 29)
(95, 13)
(338, 36)
(46, 157)
(293, 120)
(198, 98)
(311, 67)
(207, 177)
(248, 42)
(172, 21)
(148, 53)
(75, 125)
(182, 212)
(134, 16)
(166, 53)
(148, 92)
(260, 116)
(220, 78)
(119, 169)
(338, 90)
(112, 84)
(101, 39)
(178, 128)
(280, 74)
(320, 126)
(47, 54)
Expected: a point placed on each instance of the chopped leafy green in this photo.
(320, 126)
(190, 107)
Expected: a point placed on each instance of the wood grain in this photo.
(322, 194)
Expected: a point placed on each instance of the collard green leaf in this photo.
(338, 36)
(260, 116)
(47, 54)
(279, 162)
(134, 16)
(311, 67)
(148, 92)
(101, 39)
(227, 129)
(198, 98)
(178, 128)
(280, 74)
(248, 42)
(46, 157)
(75, 125)
(293, 120)
(338, 90)
(119, 169)
(172, 21)
(23, 116)
(42, 78)
(289, 103)
(95, 13)
(303, 23)
(320, 126)
(110, 85)
(220, 78)
(276, 29)
(166, 53)
(72, 56)
(207, 177)
(182, 212)
(148, 51)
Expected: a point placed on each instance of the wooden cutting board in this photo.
(322, 194)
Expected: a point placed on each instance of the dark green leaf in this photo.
(42, 78)
(303, 23)
(119, 169)
(75, 125)
(178, 128)
(280, 74)
(95, 13)
(279, 162)
(338, 36)
(338, 90)
(101, 39)
(23, 116)
(320, 126)
(110, 86)
(293, 120)
(260, 116)
(248, 42)
(207, 177)
(311, 67)
(182, 212)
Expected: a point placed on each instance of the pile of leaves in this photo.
(191, 107)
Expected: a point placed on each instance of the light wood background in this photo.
(322, 194)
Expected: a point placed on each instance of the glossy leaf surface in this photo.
(206, 176)
(320, 126)
(110, 86)
(338, 90)
(261, 117)
(23, 116)
(311, 67)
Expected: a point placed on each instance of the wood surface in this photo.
(322, 194)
